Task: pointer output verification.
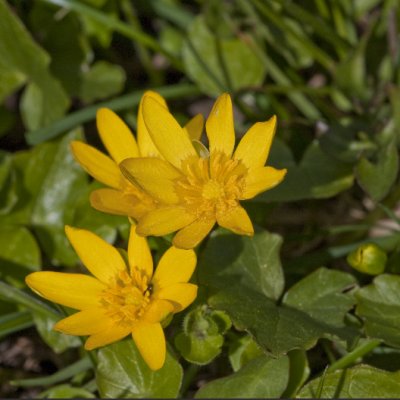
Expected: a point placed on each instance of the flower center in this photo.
(127, 297)
(212, 190)
(211, 185)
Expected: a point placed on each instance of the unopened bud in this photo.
(368, 258)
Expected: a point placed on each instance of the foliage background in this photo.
(282, 314)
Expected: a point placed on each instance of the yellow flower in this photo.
(123, 197)
(194, 190)
(120, 299)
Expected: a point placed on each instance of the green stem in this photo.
(66, 373)
(89, 113)
(354, 355)
(190, 374)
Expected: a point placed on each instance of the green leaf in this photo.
(8, 195)
(101, 81)
(64, 40)
(10, 81)
(59, 187)
(66, 392)
(360, 382)
(322, 295)
(263, 377)
(254, 262)
(378, 305)
(277, 329)
(299, 371)
(59, 342)
(19, 53)
(242, 350)
(377, 179)
(19, 248)
(217, 64)
(14, 322)
(122, 373)
(317, 176)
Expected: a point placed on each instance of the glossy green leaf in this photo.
(101, 81)
(254, 262)
(323, 296)
(378, 304)
(66, 392)
(218, 64)
(318, 175)
(377, 179)
(122, 373)
(18, 248)
(19, 53)
(277, 329)
(53, 207)
(360, 382)
(59, 342)
(263, 377)
(63, 38)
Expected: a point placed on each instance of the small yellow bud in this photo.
(368, 258)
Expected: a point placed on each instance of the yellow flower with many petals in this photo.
(194, 190)
(120, 299)
(123, 197)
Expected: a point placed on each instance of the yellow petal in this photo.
(157, 311)
(254, 147)
(72, 290)
(86, 322)
(112, 334)
(96, 164)
(98, 256)
(116, 136)
(260, 180)
(191, 235)
(113, 201)
(146, 145)
(175, 266)
(150, 341)
(154, 175)
(219, 126)
(170, 139)
(139, 254)
(165, 220)
(237, 221)
(194, 128)
(180, 294)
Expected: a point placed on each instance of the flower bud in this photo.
(368, 258)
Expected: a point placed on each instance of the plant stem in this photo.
(190, 374)
(352, 357)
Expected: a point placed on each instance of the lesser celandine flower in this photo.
(120, 299)
(123, 197)
(194, 190)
